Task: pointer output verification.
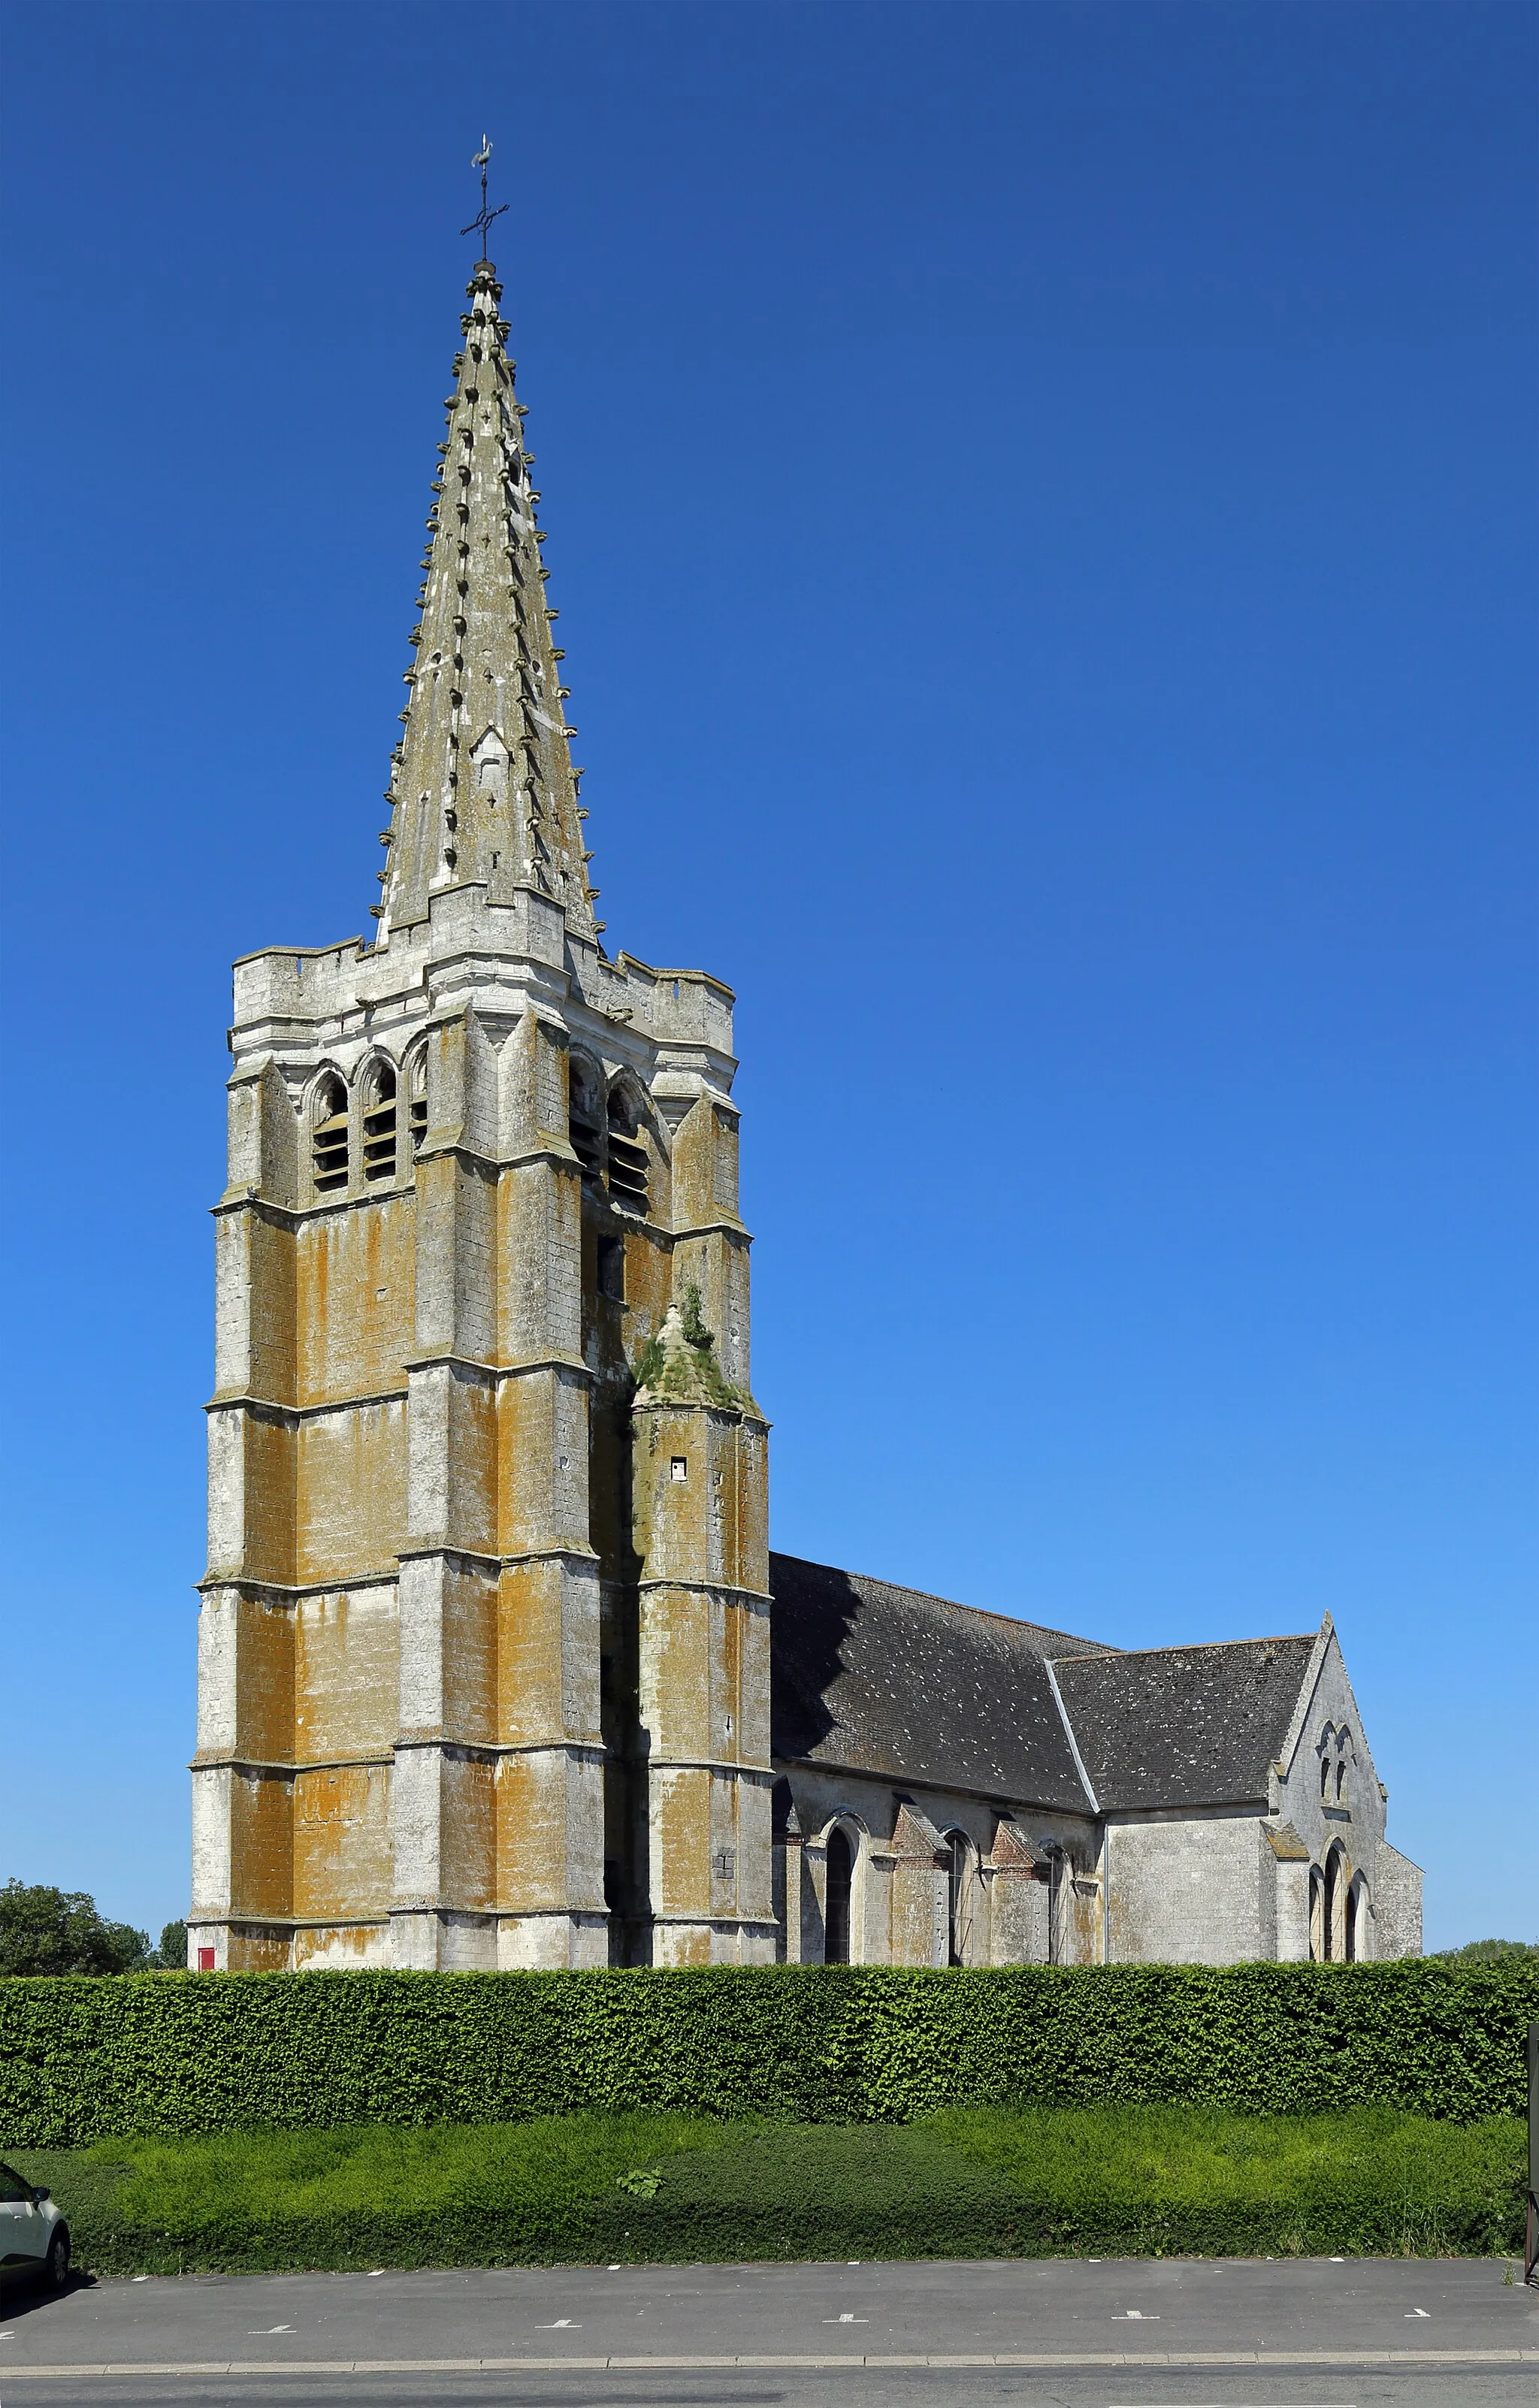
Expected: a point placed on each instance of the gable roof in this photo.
(1183, 1725)
(912, 1687)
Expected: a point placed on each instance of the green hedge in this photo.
(82, 2058)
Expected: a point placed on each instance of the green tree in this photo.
(1491, 1950)
(172, 1951)
(45, 1930)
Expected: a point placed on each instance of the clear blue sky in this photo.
(1042, 507)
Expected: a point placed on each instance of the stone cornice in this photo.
(764, 1772)
(288, 1592)
(241, 1399)
(724, 1589)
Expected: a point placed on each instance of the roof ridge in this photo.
(1194, 1646)
(984, 1613)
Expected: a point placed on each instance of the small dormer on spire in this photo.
(483, 790)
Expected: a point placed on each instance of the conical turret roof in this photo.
(482, 789)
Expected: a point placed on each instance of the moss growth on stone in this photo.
(680, 1366)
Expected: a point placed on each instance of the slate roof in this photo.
(916, 1689)
(1183, 1725)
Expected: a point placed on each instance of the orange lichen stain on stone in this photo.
(264, 1680)
(649, 1272)
(268, 1544)
(678, 1687)
(258, 1951)
(473, 1453)
(728, 1744)
(261, 1819)
(468, 1834)
(531, 1604)
(1082, 1926)
(470, 1654)
(351, 1502)
(270, 1262)
(1125, 1939)
(541, 1448)
(530, 1811)
(346, 1673)
(354, 1299)
(681, 1830)
(340, 1943)
(341, 1840)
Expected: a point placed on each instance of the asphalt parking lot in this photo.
(1122, 2333)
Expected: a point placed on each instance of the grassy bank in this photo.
(966, 2182)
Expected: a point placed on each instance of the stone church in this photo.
(494, 1665)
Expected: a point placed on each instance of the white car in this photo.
(33, 2236)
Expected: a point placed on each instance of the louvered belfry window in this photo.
(583, 1122)
(628, 1159)
(416, 1090)
(329, 1137)
(379, 1125)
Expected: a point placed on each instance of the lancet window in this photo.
(627, 1157)
(960, 1893)
(380, 1108)
(585, 1119)
(329, 1135)
(838, 1886)
(416, 1100)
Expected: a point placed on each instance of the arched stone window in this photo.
(415, 1082)
(379, 1122)
(329, 1134)
(838, 1897)
(785, 1871)
(585, 1117)
(1316, 1914)
(960, 1894)
(1358, 1923)
(627, 1155)
(1337, 1875)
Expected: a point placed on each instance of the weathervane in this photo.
(483, 223)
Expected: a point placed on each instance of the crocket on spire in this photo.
(482, 789)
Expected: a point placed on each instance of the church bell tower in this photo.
(484, 1654)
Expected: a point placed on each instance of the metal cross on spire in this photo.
(483, 221)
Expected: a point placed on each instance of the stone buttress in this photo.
(483, 1675)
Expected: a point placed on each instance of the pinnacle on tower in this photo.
(482, 789)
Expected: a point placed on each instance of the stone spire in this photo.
(482, 791)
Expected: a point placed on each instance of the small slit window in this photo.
(379, 1124)
(329, 1137)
